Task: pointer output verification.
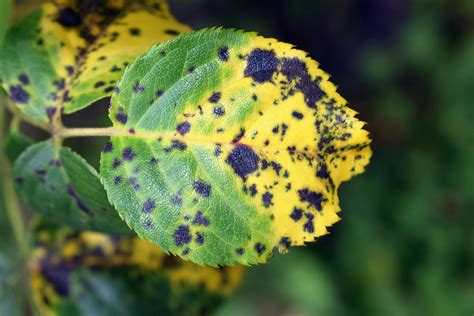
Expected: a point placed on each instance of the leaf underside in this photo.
(84, 272)
(62, 186)
(69, 54)
(229, 145)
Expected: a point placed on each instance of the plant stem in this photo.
(22, 117)
(87, 132)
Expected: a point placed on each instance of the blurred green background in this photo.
(405, 245)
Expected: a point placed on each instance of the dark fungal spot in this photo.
(261, 65)
(134, 183)
(253, 189)
(69, 18)
(116, 163)
(172, 32)
(223, 53)
(218, 150)
(313, 198)
(24, 79)
(199, 219)
(128, 154)
(239, 251)
(176, 144)
(285, 242)
(79, 203)
(219, 110)
(199, 238)
(186, 251)
(116, 89)
(148, 224)
(260, 248)
(254, 97)
(243, 160)
(134, 31)
(50, 111)
(215, 97)
(159, 93)
(149, 206)
(239, 136)
(275, 129)
(309, 225)
(297, 115)
(191, 69)
(182, 235)
(183, 128)
(40, 172)
(99, 84)
(131, 131)
(69, 70)
(121, 117)
(137, 88)
(109, 89)
(202, 188)
(322, 171)
(55, 163)
(267, 199)
(19, 180)
(18, 95)
(296, 214)
(117, 180)
(154, 160)
(176, 200)
(66, 97)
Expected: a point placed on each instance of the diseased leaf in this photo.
(15, 143)
(237, 151)
(90, 273)
(62, 186)
(70, 54)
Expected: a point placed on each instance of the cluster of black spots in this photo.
(223, 53)
(297, 115)
(261, 65)
(128, 154)
(99, 84)
(172, 32)
(60, 84)
(239, 136)
(267, 199)
(296, 214)
(313, 198)
(117, 180)
(202, 188)
(121, 117)
(239, 251)
(50, 111)
(199, 219)
(137, 88)
(285, 242)
(18, 95)
(133, 181)
(309, 225)
(199, 238)
(149, 206)
(176, 200)
(183, 128)
(68, 17)
(66, 97)
(322, 171)
(24, 79)
(182, 235)
(253, 190)
(218, 110)
(243, 160)
(259, 248)
(79, 203)
(284, 128)
(215, 97)
(148, 224)
(175, 144)
(116, 163)
(134, 31)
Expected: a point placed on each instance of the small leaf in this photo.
(62, 186)
(15, 143)
(70, 54)
(92, 273)
(237, 151)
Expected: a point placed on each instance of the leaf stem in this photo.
(22, 117)
(92, 131)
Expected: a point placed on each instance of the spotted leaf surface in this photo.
(69, 54)
(84, 273)
(62, 186)
(229, 145)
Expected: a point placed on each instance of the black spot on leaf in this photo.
(223, 53)
(172, 32)
(134, 31)
(202, 188)
(199, 238)
(260, 248)
(149, 206)
(18, 95)
(24, 79)
(80, 204)
(69, 18)
(261, 65)
(313, 198)
(183, 128)
(296, 214)
(243, 160)
(128, 154)
(199, 219)
(182, 235)
(267, 199)
(215, 97)
(297, 115)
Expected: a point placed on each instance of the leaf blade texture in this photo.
(238, 150)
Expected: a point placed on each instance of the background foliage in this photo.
(406, 244)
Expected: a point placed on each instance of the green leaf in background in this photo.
(5, 13)
(239, 149)
(14, 144)
(62, 186)
(70, 54)
(85, 273)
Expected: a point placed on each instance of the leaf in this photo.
(5, 13)
(90, 273)
(69, 54)
(238, 150)
(62, 186)
(15, 143)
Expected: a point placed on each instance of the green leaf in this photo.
(5, 12)
(84, 273)
(239, 149)
(62, 186)
(15, 143)
(67, 57)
